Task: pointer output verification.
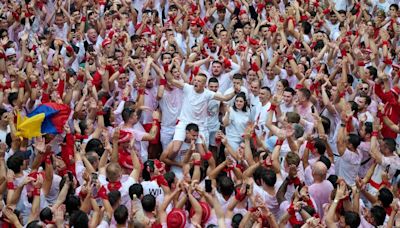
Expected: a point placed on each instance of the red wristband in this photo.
(36, 192)
(28, 59)
(239, 196)
(361, 63)
(289, 57)
(34, 84)
(197, 163)
(207, 156)
(10, 186)
(279, 142)
(326, 11)
(374, 133)
(83, 19)
(385, 43)
(272, 108)
(100, 113)
(273, 28)
(141, 91)
(21, 85)
(2, 55)
(310, 146)
(163, 81)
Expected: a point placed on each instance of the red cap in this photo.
(105, 42)
(241, 12)
(220, 6)
(193, 22)
(253, 41)
(111, 34)
(206, 212)
(176, 218)
(396, 90)
(124, 136)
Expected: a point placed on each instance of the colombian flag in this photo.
(48, 118)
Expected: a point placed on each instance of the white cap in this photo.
(10, 51)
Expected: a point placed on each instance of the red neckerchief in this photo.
(292, 219)
(114, 186)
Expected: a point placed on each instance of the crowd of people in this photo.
(192, 113)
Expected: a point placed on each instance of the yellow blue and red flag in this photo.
(48, 118)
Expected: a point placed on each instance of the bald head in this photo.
(319, 170)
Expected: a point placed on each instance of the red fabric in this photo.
(147, 128)
(60, 88)
(391, 110)
(114, 186)
(67, 153)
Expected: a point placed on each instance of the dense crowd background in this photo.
(243, 113)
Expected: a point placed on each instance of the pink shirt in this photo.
(321, 193)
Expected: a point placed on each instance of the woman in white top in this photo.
(236, 119)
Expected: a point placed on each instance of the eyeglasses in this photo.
(365, 89)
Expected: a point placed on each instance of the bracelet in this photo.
(163, 82)
(10, 185)
(100, 113)
(326, 11)
(272, 108)
(2, 55)
(34, 84)
(374, 133)
(21, 84)
(141, 91)
(279, 142)
(36, 192)
(207, 156)
(121, 70)
(197, 163)
(83, 19)
(28, 59)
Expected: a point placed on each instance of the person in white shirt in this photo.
(224, 79)
(262, 111)
(237, 80)
(194, 109)
(236, 119)
(363, 102)
(213, 123)
(287, 104)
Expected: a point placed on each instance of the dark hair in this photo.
(390, 144)
(379, 215)
(367, 98)
(237, 76)
(114, 197)
(326, 123)
(192, 127)
(352, 219)
(135, 189)
(170, 178)
(385, 196)
(368, 127)
(146, 173)
(306, 92)
(236, 219)
(149, 203)
(95, 145)
(333, 179)
(354, 106)
(373, 71)
(326, 161)
(285, 83)
(12, 97)
(306, 27)
(15, 162)
(72, 203)
(79, 219)
(213, 80)
(243, 96)
(127, 113)
(46, 215)
(225, 185)
(290, 90)
(354, 140)
(121, 214)
(396, 7)
(2, 111)
(34, 224)
(320, 146)
(269, 177)
(266, 88)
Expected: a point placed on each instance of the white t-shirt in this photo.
(230, 90)
(261, 118)
(347, 166)
(194, 109)
(179, 158)
(213, 123)
(170, 104)
(237, 124)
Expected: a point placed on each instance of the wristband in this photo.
(343, 52)
(326, 11)
(21, 84)
(388, 61)
(227, 63)
(124, 98)
(100, 113)
(28, 59)
(255, 67)
(36, 192)
(10, 185)
(141, 91)
(316, 4)
(83, 19)
(1, 87)
(207, 156)
(279, 142)
(374, 133)
(289, 57)
(34, 84)
(197, 163)
(2, 55)
(163, 81)
(341, 95)
(48, 160)
(156, 123)
(231, 52)
(272, 108)
(310, 146)
(239, 196)
(385, 43)
(361, 63)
